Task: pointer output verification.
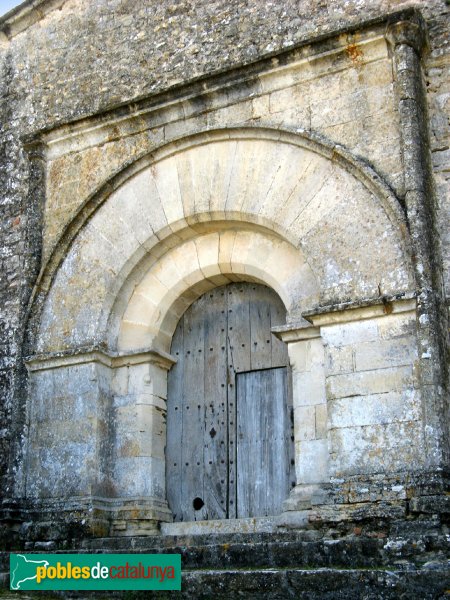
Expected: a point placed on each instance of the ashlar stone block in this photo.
(339, 359)
(385, 353)
(311, 461)
(343, 334)
(374, 409)
(369, 382)
(309, 388)
(305, 423)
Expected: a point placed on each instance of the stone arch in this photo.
(248, 204)
(188, 270)
(315, 197)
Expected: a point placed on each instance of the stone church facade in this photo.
(225, 257)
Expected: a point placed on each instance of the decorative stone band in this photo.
(131, 516)
(344, 313)
(289, 333)
(362, 309)
(94, 515)
(53, 360)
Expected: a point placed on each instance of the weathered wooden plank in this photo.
(278, 468)
(238, 327)
(279, 348)
(216, 414)
(238, 347)
(263, 454)
(260, 300)
(251, 484)
(193, 412)
(175, 398)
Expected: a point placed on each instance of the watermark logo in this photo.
(95, 571)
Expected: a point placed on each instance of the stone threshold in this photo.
(291, 519)
(246, 525)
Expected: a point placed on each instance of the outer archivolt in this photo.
(305, 192)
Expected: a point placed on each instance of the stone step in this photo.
(293, 564)
(367, 553)
(307, 549)
(316, 584)
(285, 584)
(201, 538)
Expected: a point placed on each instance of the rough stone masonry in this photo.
(152, 152)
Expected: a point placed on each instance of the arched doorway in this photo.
(230, 449)
(109, 301)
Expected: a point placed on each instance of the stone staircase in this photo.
(362, 565)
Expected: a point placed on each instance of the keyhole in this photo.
(198, 503)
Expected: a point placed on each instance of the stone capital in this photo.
(407, 32)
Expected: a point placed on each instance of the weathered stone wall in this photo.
(56, 448)
(55, 78)
(84, 57)
(373, 394)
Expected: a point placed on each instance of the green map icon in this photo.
(23, 570)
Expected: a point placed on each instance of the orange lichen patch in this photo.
(355, 53)
(57, 173)
(387, 307)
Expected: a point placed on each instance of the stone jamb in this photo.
(306, 356)
(145, 373)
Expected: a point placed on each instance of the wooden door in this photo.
(224, 333)
(264, 445)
